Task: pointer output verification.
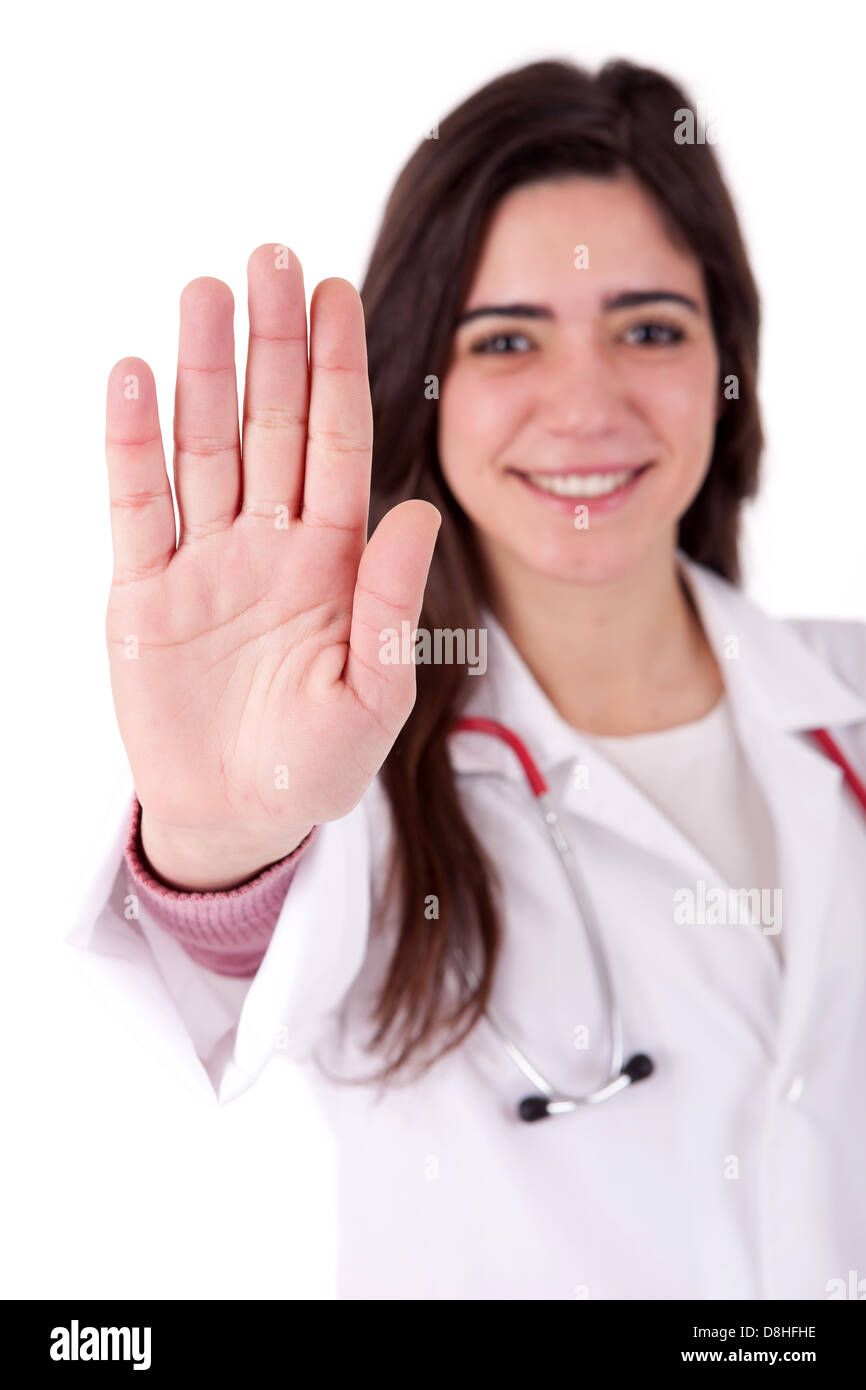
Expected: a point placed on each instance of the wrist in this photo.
(194, 861)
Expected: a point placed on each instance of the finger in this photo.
(142, 512)
(340, 430)
(207, 452)
(389, 592)
(276, 394)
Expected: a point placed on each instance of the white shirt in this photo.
(734, 1171)
(699, 776)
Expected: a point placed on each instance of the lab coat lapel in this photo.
(803, 793)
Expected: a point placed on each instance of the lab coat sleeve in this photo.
(214, 1032)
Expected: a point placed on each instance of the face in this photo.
(578, 410)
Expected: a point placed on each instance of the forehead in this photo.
(529, 251)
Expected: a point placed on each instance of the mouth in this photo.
(602, 489)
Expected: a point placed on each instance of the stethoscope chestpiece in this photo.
(637, 1068)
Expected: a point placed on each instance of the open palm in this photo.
(245, 652)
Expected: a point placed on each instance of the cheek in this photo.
(682, 408)
(477, 421)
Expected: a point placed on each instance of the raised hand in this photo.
(245, 653)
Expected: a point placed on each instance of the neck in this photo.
(624, 656)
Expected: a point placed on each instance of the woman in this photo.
(561, 351)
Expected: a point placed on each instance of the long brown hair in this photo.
(548, 119)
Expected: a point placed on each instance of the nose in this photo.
(581, 395)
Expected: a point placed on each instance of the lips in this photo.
(582, 484)
(601, 489)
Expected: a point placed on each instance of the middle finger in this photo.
(276, 397)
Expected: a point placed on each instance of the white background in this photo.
(148, 144)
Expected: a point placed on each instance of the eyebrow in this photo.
(629, 299)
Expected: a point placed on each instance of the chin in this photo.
(584, 558)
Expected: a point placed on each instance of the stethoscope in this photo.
(550, 1100)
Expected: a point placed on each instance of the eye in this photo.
(653, 334)
(501, 343)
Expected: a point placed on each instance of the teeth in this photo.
(581, 484)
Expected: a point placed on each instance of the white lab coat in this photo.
(735, 1171)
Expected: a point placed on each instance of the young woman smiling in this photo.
(543, 405)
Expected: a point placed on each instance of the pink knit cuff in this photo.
(227, 932)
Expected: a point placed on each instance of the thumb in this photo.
(389, 591)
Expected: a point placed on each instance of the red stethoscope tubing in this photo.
(540, 788)
(833, 751)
